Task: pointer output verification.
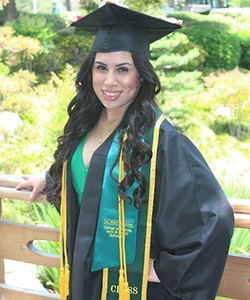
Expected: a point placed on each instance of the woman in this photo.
(142, 215)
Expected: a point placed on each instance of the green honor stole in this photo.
(125, 262)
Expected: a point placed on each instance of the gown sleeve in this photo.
(193, 223)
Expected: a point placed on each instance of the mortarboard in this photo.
(121, 29)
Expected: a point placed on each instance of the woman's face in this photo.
(115, 79)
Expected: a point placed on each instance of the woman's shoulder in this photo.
(176, 144)
(169, 131)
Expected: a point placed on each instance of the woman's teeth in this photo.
(112, 94)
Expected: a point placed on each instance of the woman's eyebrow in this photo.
(122, 64)
(118, 65)
(101, 63)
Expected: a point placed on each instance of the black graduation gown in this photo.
(192, 224)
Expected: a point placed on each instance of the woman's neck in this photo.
(112, 116)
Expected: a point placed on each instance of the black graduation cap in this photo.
(121, 29)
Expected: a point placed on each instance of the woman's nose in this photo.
(110, 79)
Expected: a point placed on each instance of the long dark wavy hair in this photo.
(84, 111)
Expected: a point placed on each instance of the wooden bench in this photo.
(16, 244)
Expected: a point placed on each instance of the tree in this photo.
(68, 5)
(9, 10)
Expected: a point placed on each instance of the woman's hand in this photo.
(36, 183)
(151, 272)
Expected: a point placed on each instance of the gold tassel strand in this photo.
(124, 293)
(64, 268)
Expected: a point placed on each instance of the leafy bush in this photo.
(176, 60)
(43, 110)
(240, 3)
(4, 70)
(37, 27)
(178, 53)
(223, 125)
(56, 20)
(17, 50)
(223, 49)
(46, 215)
(238, 23)
(19, 82)
(231, 12)
(1, 17)
(240, 243)
(72, 48)
(234, 21)
(229, 96)
(34, 26)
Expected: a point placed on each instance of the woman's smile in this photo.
(111, 95)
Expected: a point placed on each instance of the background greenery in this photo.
(204, 71)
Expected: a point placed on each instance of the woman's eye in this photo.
(123, 69)
(101, 68)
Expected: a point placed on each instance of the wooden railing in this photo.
(16, 244)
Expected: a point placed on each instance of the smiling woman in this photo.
(142, 216)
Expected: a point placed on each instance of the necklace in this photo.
(101, 138)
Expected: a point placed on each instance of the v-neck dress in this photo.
(79, 171)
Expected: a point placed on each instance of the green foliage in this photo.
(152, 7)
(234, 188)
(222, 125)
(179, 4)
(222, 298)
(177, 52)
(43, 110)
(46, 215)
(16, 51)
(240, 243)
(223, 49)
(57, 22)
(72, 48)
(1, 18)
(176, 60)
(34, 26)
(189, 18)
(16, 83)
(231, 12)
(230, 91)
(234, 21)
(18, 211)
(88, 5)
(4, 70)
(240, 3)
(238, 23)
(38, 27)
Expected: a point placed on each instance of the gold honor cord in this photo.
(104, 284)
(124, 293)
(64, 265)
(150, 206)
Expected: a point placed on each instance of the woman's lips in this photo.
(110, 95)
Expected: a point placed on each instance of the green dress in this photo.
(79, 171)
